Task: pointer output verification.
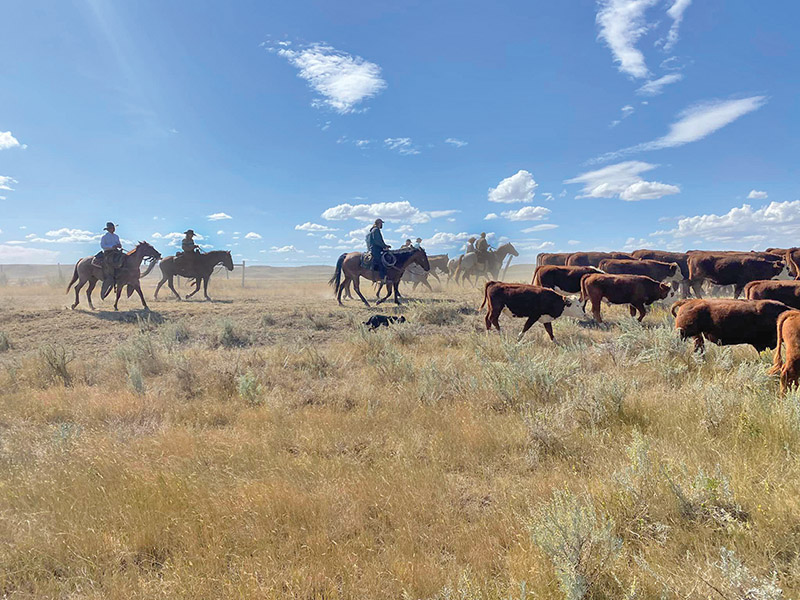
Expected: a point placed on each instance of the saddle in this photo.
(366, 260)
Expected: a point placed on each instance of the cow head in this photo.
(675, 274)
(782, 270)
(666, 293)
(573, 308)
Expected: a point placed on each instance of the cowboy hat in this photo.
(108, 226)
(378, 221)
(189, 232)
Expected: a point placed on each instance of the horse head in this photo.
(227, 260)
(421, 258)
(147, 251)
(506, 249)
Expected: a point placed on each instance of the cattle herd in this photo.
(768, 316)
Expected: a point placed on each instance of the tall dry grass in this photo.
(272, 447)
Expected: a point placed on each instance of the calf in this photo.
(787, 292)
(680, 258)
(655, 269)
(737, 269)
(727, 322)
(536, 303)
(562, 279)
(636, 290)
(787, 332)
(592, 259)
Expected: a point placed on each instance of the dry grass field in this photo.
(266, 445)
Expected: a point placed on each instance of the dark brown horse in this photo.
(200, 270)
(350, 265)
(127, 275)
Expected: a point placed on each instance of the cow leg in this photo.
(699, 344)
(632, 310)
(697, 287)
(528, 324)
(596, 309)
(357, 288)
(89, 291)
(642, 311)
(548, 327)
(737, 290)
(493, 316)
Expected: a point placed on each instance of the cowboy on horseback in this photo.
(111, 257)
(377, 247)
(482, 249)
(189, 250)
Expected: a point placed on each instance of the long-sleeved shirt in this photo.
(375, 239)
(110, 241)
(188, 245)
(470, 247)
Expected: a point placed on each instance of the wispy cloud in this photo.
(5, 183)
(757, 195)
(8, 141)
(401, 145)
(285, 250)
(456, 142)
(220, 216)
(13, 254)
(542, 227)
(520, 187)
(622, 23)
(313, 227)
(656, 86)
(695, 123)
(623, 181)
(676, 14)
(343, 81)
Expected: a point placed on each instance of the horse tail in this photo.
(74, 278)
(486, 292)
(336, 280)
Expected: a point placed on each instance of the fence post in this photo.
(242, 273)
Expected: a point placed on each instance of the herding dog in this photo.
(376, 321)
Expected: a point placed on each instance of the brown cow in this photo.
(664, 272)
(561, 279)
(787, 331)
(732, 268)
(727, 322)
(680, 258)
(787, 292)
(552, 258)
(592, 259)
(636, 290)
(538, 304)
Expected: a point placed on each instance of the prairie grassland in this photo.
(267, 446)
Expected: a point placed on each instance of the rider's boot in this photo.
(108, 279)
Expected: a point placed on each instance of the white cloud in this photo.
(220, 232)
(621, 24)
(676, 13)
(542, 227)
(491, 216)
(622, 180)
(442, 238)
(64, 236)
(313, 227)
(362, 143)
(437, 214)
(520, 187)
(285, 249)
(401, 145)
(573, 242)
(252, 236)
(220, 216)
(656, 86)
(5, 183)
(8, 141)
(756, 195)
(343, 80)
(360, 232)
(329, 236)
(12, 254)
(392, 212)
(695, 123)
(526, 213)
(456, 142)
(777, 222)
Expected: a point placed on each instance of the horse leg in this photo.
(340, 290)
(428, 285)
(138, 288)
(357, 288)
(391, 286)
(158, 287)
(77, 297)
(89, 291)
(196, 288)
(119, 293)
(172, 287)
(205, 287)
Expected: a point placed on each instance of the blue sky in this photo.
(280, 130)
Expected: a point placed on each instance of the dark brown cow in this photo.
(636, 290)
(731, 268)
(535, 303)
(664, 272)
(727, 322)
(592, 259)
(787, 292)
(562, 279)
(787, 332)
(680, 258)
(552, 258)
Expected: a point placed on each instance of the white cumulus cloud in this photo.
(757, 195)
(520, 187)
(622, 180)
(622, 23)
(392, 212)
(285, 249)
(252, 236)
(526, 213)
(220, 216)
(8, 141)
(343, 81)
(313, 227)
(5, 183)
(491, 216)
(13, 254)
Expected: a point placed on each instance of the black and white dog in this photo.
(376, 321)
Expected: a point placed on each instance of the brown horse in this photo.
(350, 265)
(201, 270)
(128, 274)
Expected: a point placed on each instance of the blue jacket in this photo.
(375, 239)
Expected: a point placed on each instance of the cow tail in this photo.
(537, 279)
(336, 280)
(777, 361)
(677, 305)
(793, 264)
(584, 297)
(74, 278)
(486, 293)
(747, 289)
